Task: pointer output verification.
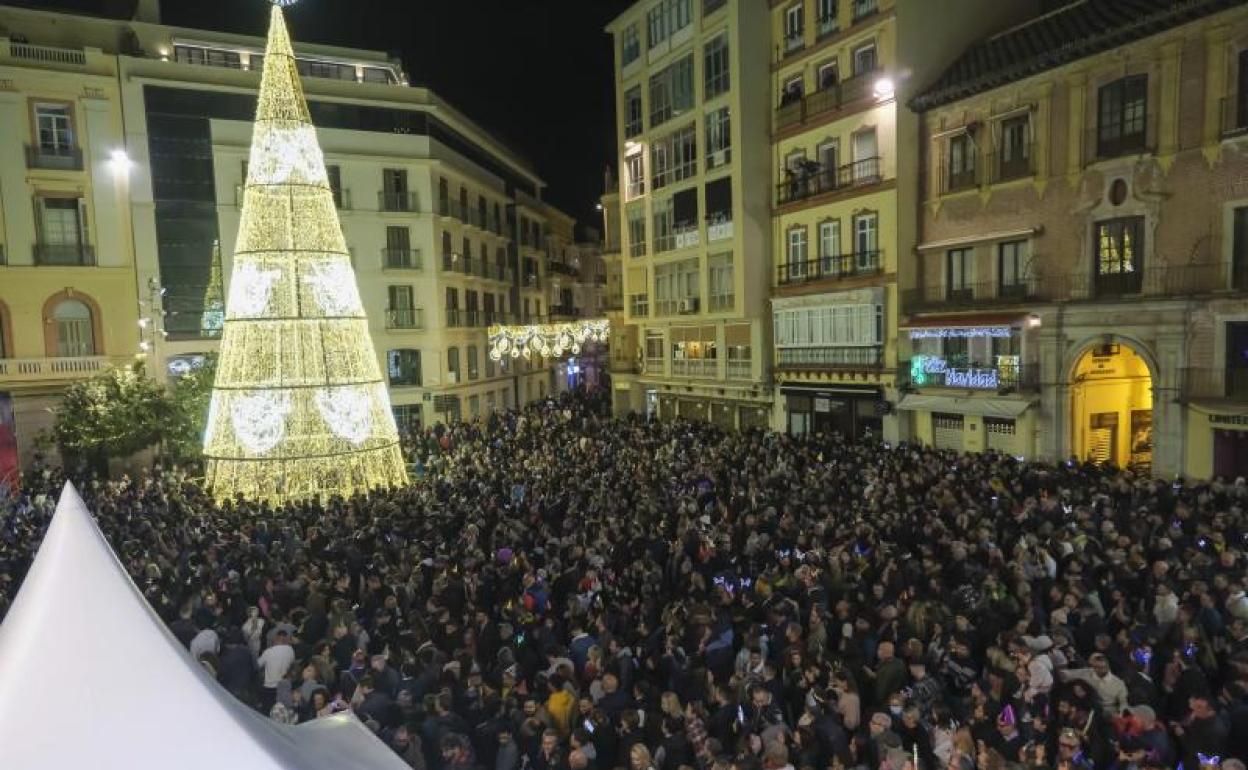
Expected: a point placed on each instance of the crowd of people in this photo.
(564, 590)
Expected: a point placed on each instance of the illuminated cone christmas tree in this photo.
(299, 407)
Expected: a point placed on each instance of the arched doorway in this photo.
(1111, 398)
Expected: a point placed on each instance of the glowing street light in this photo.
(884, 89)
(119, 161)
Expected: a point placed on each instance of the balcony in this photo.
(497, 318)
(405, 318)
(46, 54)
(815, 179)
(964, 179)
(704, 368)
(456, 318)
(401, 259)
(1234, 113)
(639, 305)
(64, 254)
(797, 110)
(831, 268)
(1020, 165)
(1104, 146)
(342, 198)
(794, 41)
(937, 372)
(863, 9)
(1230, 383)
(532, 281)
(825, 25)
(563, 268)
(397, 201)
(57, 157)
(830, 358)
(458, 263)
(739, 368)
(941, 297)
(19, 370)
(718, 227)
(565, 313)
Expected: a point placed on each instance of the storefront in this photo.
(852, 411)
(1217, 440)
(1005, 424)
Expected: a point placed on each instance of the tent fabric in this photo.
(983, 407)
(91, 677)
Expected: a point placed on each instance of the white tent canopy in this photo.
(91, 677)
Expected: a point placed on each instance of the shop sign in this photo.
(1229, 419)
(986, 379)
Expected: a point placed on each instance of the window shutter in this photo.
(84, 235)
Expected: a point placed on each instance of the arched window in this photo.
(75, 330)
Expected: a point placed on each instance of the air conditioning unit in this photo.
(718, 158)
(452, 378)
(687, 305)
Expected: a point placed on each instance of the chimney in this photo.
(148, 11)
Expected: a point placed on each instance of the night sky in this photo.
(535, 73)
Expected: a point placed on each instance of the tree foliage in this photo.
(189, 399)
(113, 414)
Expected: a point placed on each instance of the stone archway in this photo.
(1111, 388)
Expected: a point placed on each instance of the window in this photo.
(864, 59)
(676, 287)
(716, 77)
(630, 45)
(399, 247)
(660, 162)
(452, 363)
(1239, 249)
(654, 350)
(474, 405)
(1123, 109)
(866, 239)
(720, 277)
(960, 162)
(671, 91)
(828, 155)
(62, 232)
(667, 18)
(1014, 152)
(56, 129)
(489, 366)
(473, 372)
(718, 196)
(656, 25)
(403, 366)
(864, 8)
(664, 235)
(830, 246)
(634, 175)
(1119, 254)
(830, 335)
(827, 75)
(208, 57)
(958, 275)
(334, 173)
(827, 16)
(674, 157)
(718, 139)
(1012, 268)
(401, 314)
(632, 112)
(636, 231)
(75, 329)
(797, 252)
(394, 190)
(866, 157)
(793, 27)
(792, 91)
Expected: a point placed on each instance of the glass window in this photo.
(722, 286)
(636, 231)
(634, 175)
(866, 235)
(1012, 265)
(1013, 156)
(716, 77)
(793, 27)
(1120, 246)
(656, 25)
(62, 222)
(452, 361)
(961, 162)
(829, 242)
(664, 236)
(866, 157)
(75, 330)
(827, 15)
(630, 45)
(959, 271)
(403, 366)
(473, 372)
(632, 112)
(718, 138)
(56, 130)
(1123, 108)
(797, 251)
(864, 59)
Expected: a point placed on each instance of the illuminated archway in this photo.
(1111, 402)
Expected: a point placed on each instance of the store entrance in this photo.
(1112, 407)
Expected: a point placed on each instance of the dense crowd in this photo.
(559, 590)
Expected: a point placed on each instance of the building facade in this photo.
(843, 228)
(446, 225)
(1079, 287)
(69, 307)
(693, 202)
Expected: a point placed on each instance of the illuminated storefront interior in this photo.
(1112, 407)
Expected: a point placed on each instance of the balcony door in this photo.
(866, 157)
(866, 240)
(75, 334)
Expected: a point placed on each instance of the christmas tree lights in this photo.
(298, 407)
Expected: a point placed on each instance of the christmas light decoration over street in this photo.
(299, 407)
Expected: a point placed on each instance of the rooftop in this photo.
(1069, 33)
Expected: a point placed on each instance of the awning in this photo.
(983, 406)
(967, 240)
(964, 320)
(1220, 408)
(837, 389)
